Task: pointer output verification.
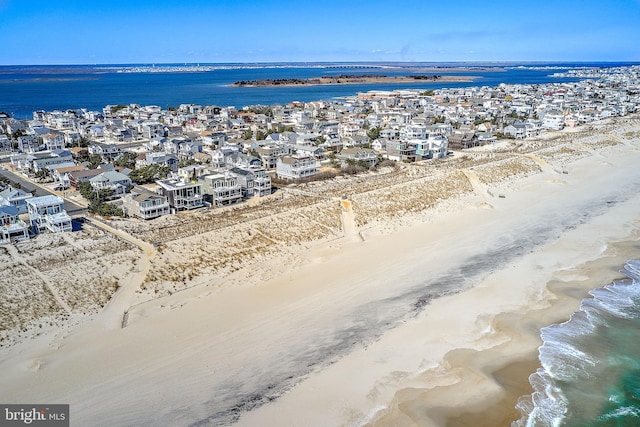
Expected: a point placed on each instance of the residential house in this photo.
(191, 172)
(516, 130)
(485, 137)
(12, 228)
(112, 180)
(434, 146)
(296, 167)
(553, 120)
(78, 177)
(401, 151)
(214, 140)
(47, 213)
(358, 155)
(462, 140)
(5, 143)
(15, 197)
(159, 158)
(221, 189)
(61, 175)
(28, 143)
(53, 141)
(253, 181)
(145, 204)
(49, 160)
(269, 154)
(180, 194)
(108, 152)
(189, 148)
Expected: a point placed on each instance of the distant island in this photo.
(351, 79)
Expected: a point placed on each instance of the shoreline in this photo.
(332, 329)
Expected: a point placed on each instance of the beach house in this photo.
(16, 197)
(112, 180)
(221, 189)
(182, 195)
(363, 156)
(12, 228)
(296, 167)
(47, 213)
(253, 181)
(145, 204)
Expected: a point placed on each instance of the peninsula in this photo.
(352, 79)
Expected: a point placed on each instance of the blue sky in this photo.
(160, 31)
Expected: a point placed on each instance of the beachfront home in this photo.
(15, 197)
(401, 151)
(181, 195)
(296, 167)
(145, 204)
(221, 189)
(12, 228)
(253, 181)
(462, 140)
(363, 156)
(434, 147)
(47, 213)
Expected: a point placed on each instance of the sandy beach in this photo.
(409, 297)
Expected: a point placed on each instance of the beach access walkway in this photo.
(115, 313)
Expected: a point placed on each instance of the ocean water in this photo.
(590, 374)
(24, 89)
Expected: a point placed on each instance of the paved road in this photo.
(72, 208)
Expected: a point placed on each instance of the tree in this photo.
(150, 173)
(98, 200)
(16, 133)
(260, 135)
(247, 134)
(42, 174)
(186, 162)
(374, 133)
(126, 160)
(94, 161)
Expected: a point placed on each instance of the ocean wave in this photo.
(589, 363)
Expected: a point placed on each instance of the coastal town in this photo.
(223, 226)
(145, 162)
(117, 216)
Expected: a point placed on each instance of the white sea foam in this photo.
(568, 355)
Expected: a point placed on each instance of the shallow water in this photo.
(590, 373)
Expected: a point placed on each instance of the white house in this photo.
(47, 213)
(15, 197)
(296, 167)
(145, 204)
(113, 180)
(12, 228)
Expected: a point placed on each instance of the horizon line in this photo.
(356, 62)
